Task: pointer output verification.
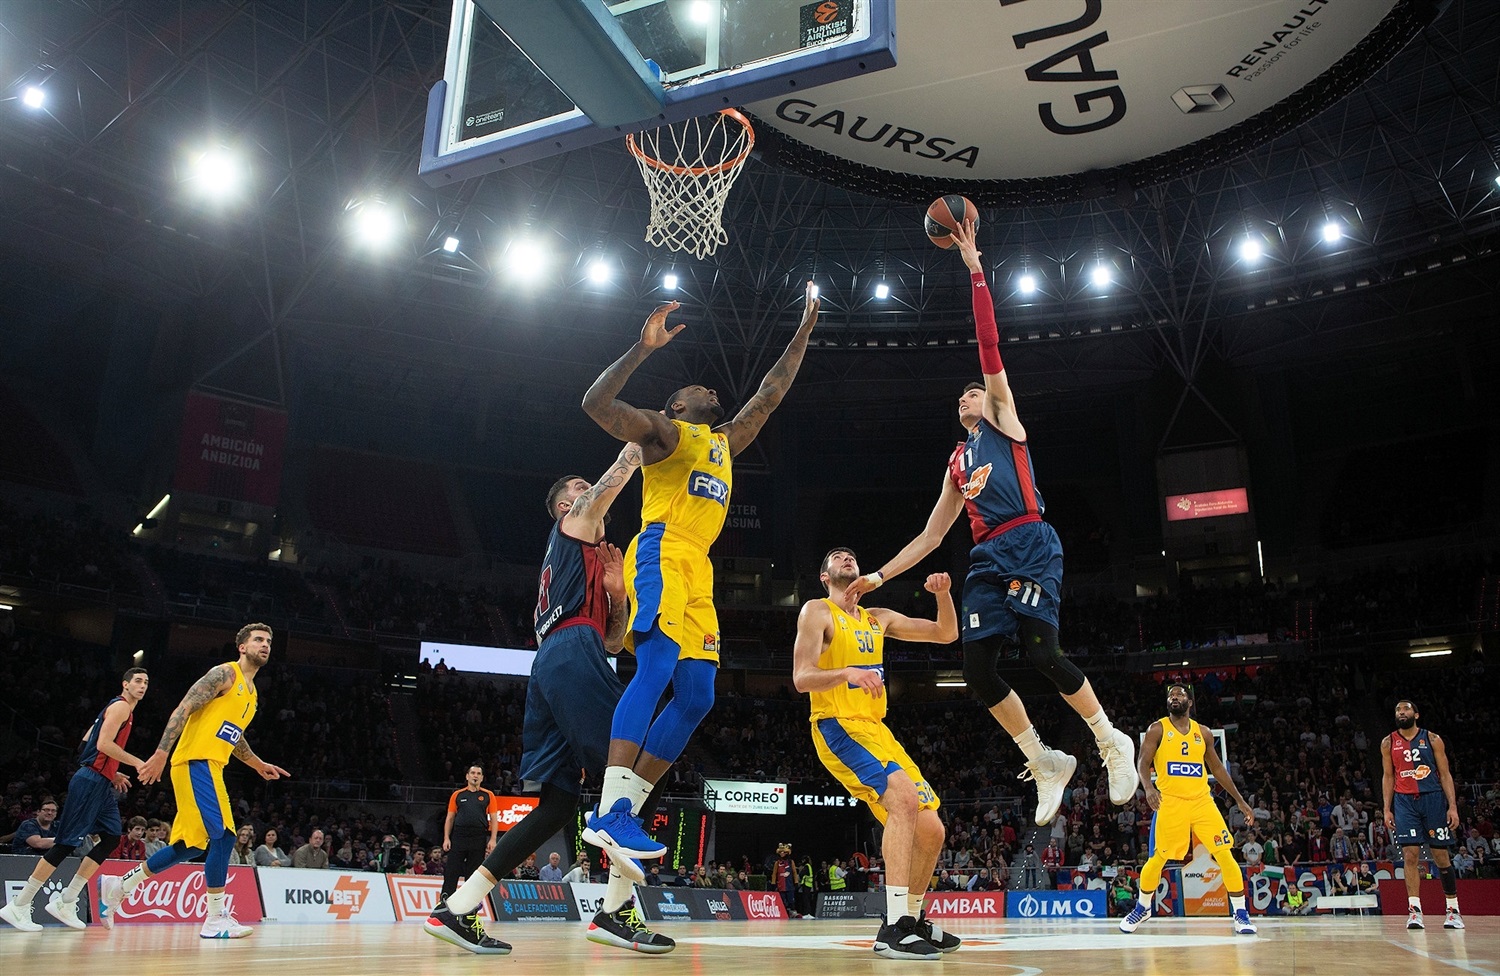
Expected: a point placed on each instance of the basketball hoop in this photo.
(688, 168)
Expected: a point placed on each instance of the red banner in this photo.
(1481, 897)
(229, 449)
(510, 809)
(179, 894)
(1208, 504)
(761, 905)
(957, 904)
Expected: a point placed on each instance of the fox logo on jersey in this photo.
(705, 485)
(1185, 769)
(230, 733)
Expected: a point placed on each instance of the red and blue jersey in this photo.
(993, 472)
(89, 756)
(1414, 763)
(571, 590)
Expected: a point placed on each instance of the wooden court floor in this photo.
(1322, 946)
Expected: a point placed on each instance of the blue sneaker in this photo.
(1242, 923)
(620, 834)
(1137, 915)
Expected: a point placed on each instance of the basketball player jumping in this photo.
(210, 720)
(92, 807)
(1014, 587)
(1183, 755)
(570, 700)
(674, 629)
(1416, 781)
(839, 659)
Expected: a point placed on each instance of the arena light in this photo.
(1251, 250)
(669, 281)
(374, 223)
(1497, 180)
(216, 174)
(451, 245)
(1438, 652)
(1027, 284)
(599, 272)
(950, 684)
(882, 290)
(33, 98)
(6, 606)
(1332, 231)
(1101, 275)
(702, 11)
(526, 259)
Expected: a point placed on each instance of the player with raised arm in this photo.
(674, 629)
(1014, 587)
(1416, 783)
(839, 659)
(1182, 754)
(205, 729)
(93, 807)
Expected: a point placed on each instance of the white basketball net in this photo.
(688, 168)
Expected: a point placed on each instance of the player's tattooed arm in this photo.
(594, 503)
(244, 753)
(746, 425)
(203, 691)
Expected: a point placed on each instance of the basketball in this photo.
(945, 215)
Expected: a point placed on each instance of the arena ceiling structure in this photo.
(259, 157)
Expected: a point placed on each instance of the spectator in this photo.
(132, 846)
(37, 835)
(983, 881)
(156, 836)
(552, 870)
(947, 881)
(311, 854)
(395, 857)
(244, 846)
(1252, 849)
(269, 854)
(580, 870)
(419, 861)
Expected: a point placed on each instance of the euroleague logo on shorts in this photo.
(710, 643)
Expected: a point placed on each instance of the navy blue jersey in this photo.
(89, 756)
(993, 473)
(1414, 763)
(571, 589)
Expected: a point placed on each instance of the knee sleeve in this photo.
(216, 862)
(655, 661)
(57, 852)
(980, 660)
(1449, 878)
(1039, 638)
(692, 697)
(103, 849)
(554, 810)
(1234, 879)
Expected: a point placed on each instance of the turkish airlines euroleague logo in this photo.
(827, 12)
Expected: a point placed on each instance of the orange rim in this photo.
(655, 163)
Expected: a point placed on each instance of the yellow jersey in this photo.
(688, 490)
(857, 642)
(214, 730)
(1180, 770)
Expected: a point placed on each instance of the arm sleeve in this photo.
(985, 329)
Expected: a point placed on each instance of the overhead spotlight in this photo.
(1026, 284)
(450, 245)
(1497, 180)
(33, 97)
(669, 281)
(526, 259)
(1251, 250)
(1332, 231)
(374, 223)
(882, 290)
(599, 272)
(216, 173)
(1101, 275)
(701, 11)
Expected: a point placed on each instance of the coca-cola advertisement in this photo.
(179, 894)
(761, 905)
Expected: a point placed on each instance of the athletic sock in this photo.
(1237, 902)
(1144, 903)
(74, 888)
(914, 903)
(895, 903)
(215, 904)
(1099, 722)
(469, 894)
(621, 781)
(618, 891)
(1414, 904)
(23, 900)
(1452, 903)
(132, 878)
(1030, 743)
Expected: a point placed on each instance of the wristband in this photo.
(875, 579)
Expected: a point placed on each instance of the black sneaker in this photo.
(464, 931)
(625, 929)
(933, 932)
(901, 941)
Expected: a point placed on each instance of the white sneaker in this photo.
(20, 917)
(1051, 770)
(223, 927)
(65, 910)
(1414, 918)
(1118, 753)
(111, 894)
(1241, 924)
(1454, 920)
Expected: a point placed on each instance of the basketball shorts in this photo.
(203, 811)
(862, 754)
(570, 702)
(1422, 818)
(92, 807)
(1017, 574)
(1178, 821)
(671, 585)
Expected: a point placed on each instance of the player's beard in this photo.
(1406, 724)
(716, 410)
(1177, 709)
